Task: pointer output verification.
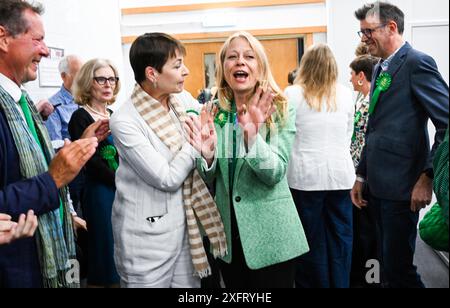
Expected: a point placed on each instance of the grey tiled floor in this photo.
(431, 267)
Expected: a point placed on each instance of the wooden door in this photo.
(196, 53)
(282, 54)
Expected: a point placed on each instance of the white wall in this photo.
(88, 28)
(218, 20)
(283, 16)
(343, 28)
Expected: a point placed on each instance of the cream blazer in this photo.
(149, 184)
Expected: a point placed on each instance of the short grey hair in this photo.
(64, 64)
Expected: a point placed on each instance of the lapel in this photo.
(398, 60)
(394, 67)
(225, 138)
(239, 164)
(222, 154)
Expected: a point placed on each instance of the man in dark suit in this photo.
(397, 162)
(21, 48)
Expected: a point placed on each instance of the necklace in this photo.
(95, 114)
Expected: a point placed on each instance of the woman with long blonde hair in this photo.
(264, 79)
(248, 160)
(321, 171)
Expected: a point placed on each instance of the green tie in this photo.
(26, 111)
(29, 119)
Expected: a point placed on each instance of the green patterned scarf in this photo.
(55, 242)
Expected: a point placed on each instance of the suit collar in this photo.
(397, 61)
(394, 66)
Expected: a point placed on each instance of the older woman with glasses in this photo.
(96, 86)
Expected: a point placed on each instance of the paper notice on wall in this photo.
(49, 75)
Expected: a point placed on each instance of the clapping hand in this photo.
(201, 132)
(45, 108)
(10, 231)
(251, 118)
(68, 162)
(99, 129)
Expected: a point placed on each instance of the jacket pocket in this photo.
(395, 147)
(153, 203)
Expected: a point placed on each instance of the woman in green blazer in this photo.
(246, 151)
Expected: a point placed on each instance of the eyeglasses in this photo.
(102, 80)
(368, 32)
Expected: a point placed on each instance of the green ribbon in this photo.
(192, 111)
(357, 118)
(383, 83)
(109, 153)
(221, 118)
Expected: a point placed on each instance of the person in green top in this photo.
(246, 152)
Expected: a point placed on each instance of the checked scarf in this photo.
(198, 203)
(55, 241)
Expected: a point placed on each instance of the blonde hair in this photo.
(82, 85)
(317, 75)
(225, 93)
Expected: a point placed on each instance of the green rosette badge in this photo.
(383, 83)
(108, 153)
(221, 118)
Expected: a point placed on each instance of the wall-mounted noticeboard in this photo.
(49, 76)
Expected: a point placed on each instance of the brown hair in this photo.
(364, 64)
(82, 85)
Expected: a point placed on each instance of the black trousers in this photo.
(238, 275)
(364, 246)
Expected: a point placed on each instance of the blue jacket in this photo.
(19, 265)
(397, 147)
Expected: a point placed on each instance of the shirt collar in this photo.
(67, 96)
(10, 87)
(385, 63)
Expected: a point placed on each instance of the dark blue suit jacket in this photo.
(19, 265)
(397, 147)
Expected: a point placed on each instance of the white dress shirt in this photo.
(12, 89)
(320, 158)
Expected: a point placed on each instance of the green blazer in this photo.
(269, 226)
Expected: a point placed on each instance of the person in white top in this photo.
(291, 88)
(321, 172)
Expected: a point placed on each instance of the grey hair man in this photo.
(62, 101)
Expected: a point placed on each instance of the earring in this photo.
(155, 84)
(360, 83)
